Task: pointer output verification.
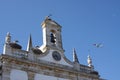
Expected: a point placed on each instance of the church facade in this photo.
(46, 62)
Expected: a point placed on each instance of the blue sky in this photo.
(84, 22)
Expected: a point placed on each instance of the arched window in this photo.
(52, 36)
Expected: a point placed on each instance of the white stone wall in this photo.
(22, 75)
(45, 77)
(18, 75)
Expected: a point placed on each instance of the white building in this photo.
(46, 62)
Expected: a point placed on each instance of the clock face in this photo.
(56, 56)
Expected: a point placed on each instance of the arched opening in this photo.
(52, 36)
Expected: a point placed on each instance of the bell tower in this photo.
(51, 35)
(47, 62)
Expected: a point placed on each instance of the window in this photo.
(52, 36)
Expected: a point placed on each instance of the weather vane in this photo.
(49, 15)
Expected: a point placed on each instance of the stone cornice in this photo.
(35, 65)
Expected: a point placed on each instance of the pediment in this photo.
(57, 58)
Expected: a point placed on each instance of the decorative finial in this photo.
(89, 60)
(8, 33)
(29, 46)
(75, 59)
(8, 38)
